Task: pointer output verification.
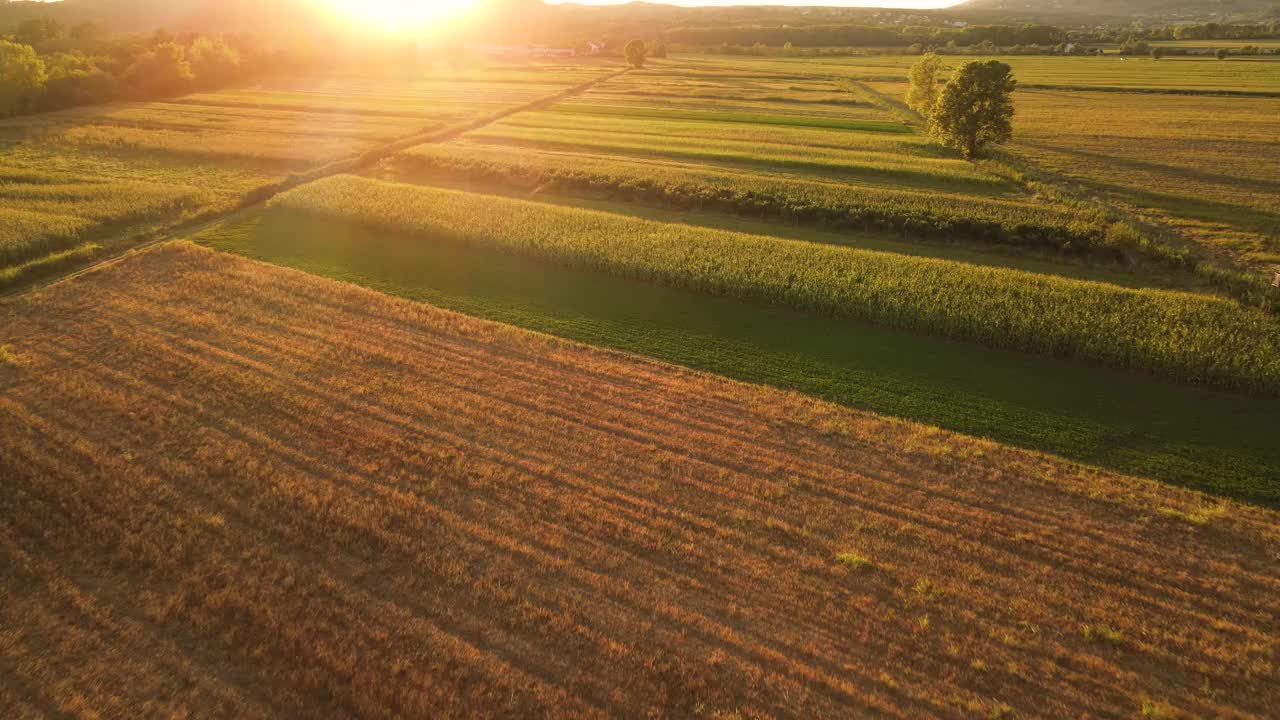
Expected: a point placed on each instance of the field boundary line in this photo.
(1152, 91)
(258, 196)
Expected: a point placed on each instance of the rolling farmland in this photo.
(1194, 162)
(508, 525)
(712, 389)
(71, 181)
(732, 182)
(1136, 74)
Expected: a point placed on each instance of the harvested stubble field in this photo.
(1207, 166)
(238, 490)
(1202, 167)
(1134, 74)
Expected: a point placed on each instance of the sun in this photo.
(401, 15)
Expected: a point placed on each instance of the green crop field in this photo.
(72, 179)
(868, 169)
(1186, 336)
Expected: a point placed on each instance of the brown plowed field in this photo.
(231, 490)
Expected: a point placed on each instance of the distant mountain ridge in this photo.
(302, 16)
(1203, 10)
(209, 16)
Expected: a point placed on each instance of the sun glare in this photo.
(401, 15)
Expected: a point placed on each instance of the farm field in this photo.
(745, 161)
(871, 171)
(1202, 168)
(1221, 443)
(74, 179)
(317, 488)
(1214, 44)
(1209, 167)
(1134, 74)
(710, 390)
(1218, 342)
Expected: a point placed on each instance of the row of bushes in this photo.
(1141, 47)
(841, 207)
(1071, 229)
(1189, 337)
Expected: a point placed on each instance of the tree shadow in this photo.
(1202, 208)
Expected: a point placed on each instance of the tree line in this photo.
(953, 35)
(45, 65)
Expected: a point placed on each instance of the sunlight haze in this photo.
(904, 4)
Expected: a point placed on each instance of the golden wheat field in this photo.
(237, 490)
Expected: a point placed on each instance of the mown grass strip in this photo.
(1211, 440)
(1188, 337)
(880, 126)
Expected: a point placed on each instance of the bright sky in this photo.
(807, 3)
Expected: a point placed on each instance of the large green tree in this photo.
(975, 108)
(22, 77)
(924, 76)
(161, 71)
(636, 51)
(213, 62)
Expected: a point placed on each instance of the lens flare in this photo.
(401, 15)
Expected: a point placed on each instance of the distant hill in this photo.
(558, 23)
(1203, 10)
(142, 15)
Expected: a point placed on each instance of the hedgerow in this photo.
(928, 215)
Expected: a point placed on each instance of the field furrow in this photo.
(243, 490)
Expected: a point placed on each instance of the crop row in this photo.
(768, 114)
(886, 168)
(43, 217)
(873, 133)
(1190, 337)
(935, 215)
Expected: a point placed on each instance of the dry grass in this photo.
(239, 491)
(1207, 166)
